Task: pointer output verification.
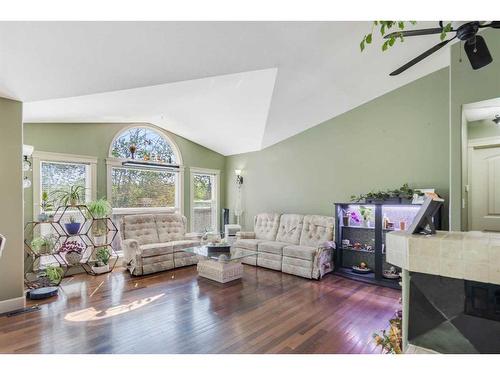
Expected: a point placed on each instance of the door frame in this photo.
(192, 172)
(471, 146)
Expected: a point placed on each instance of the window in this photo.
(204, 200)
(142, 188)
(60, 176)
(138, 189)
(53, 171)
(147, 143)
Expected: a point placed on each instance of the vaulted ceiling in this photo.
(233, 87)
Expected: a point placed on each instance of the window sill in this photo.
(143, 210)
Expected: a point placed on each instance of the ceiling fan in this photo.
(474, 46)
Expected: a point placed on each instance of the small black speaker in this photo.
(477, 52)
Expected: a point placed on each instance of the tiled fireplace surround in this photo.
(451, 290)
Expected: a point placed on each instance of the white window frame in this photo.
(112, 162)
(43, 156)
(179, 190)
(216, 172)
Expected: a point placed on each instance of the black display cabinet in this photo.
(363, 241)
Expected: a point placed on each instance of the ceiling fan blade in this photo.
(421, 57)
(494, 24)
(477, 52)
(405, 33)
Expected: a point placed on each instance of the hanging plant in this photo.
(387, 27)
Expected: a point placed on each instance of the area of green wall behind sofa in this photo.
(94, 139)
(399, 137)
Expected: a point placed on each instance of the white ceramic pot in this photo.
(100, 269)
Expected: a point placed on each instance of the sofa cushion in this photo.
(249, 244)
(154, 249)
(299, 251)
(316, 230)
(273, 247)
(183, 244)
(171, 227)
(290, 228)
(141, 228)
(266, 226)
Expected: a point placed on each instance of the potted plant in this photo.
(45, 244)
(54, 274)
(45, 205)
(73, 252)
(366, 214)
(39, 246)
(100, 210)
(102, 260)
(73, 196)
(73, 227)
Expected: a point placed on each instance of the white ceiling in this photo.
(231, 86)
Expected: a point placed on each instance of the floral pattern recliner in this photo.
(154, 243)
(296, 244)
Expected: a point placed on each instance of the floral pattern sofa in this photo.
(154, 243)
(292, 243)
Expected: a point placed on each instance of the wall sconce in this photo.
(239, 177)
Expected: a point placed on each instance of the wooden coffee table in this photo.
(220, 266)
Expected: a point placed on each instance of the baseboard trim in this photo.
(12, 304)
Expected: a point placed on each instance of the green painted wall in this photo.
(94, 140)
(400, 137)
(482, 129)
(11, 201)
(467, 86)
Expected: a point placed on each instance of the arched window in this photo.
(144, 143)
(136, 188)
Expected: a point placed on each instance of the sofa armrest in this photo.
(245, 235)
(322, 262)
(130, 249)
(193, 236)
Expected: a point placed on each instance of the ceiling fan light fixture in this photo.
(477, 52)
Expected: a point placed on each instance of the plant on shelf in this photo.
(102, 260)
(44, 245)
(404, 192)
(54, 274)
(72, 196)
(366, 213)
(73, 227)
(45, 205)
(73, 252)
(99, 211)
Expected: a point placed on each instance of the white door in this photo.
(484, 188)
(204, 202)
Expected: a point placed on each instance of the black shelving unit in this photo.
(373, 236)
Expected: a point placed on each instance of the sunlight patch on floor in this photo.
(92, 314)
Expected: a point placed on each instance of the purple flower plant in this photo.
(72, 247)
(355, 217)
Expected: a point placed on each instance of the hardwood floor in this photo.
(177, 312)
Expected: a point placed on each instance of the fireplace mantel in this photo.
(450, 290)
(461, 255)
